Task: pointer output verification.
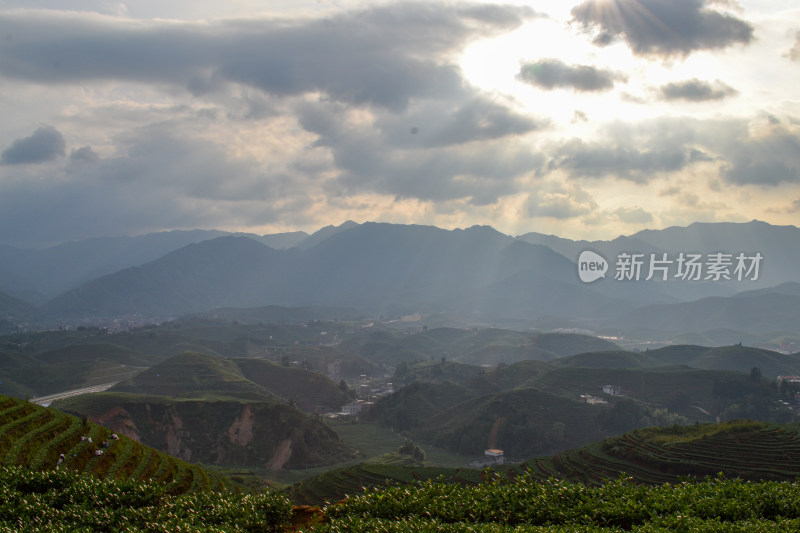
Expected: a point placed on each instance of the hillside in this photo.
(14, 312)
(441, 370)
(310, 391)
(411, 406)
(69, 367)
(216, 430)
(744, 449)
(734, 358)
(191, 373)
(533, 407)
(380, 268)
(760, 314)
(644, 456)
(200, 407)
(33, 437)
(484, 346)
(613, 359)
(522, 422)
(197, 277)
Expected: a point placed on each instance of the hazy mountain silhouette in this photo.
(394, 269)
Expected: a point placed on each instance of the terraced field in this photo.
(749, 450)
(742, 449)
(34, 437)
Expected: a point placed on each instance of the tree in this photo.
(755, 374)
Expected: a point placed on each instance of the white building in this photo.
(494, 455)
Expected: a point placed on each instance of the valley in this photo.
(413, 369)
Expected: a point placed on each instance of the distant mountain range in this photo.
(390, 270)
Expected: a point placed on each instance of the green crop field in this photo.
(34, 437)
(648, 480)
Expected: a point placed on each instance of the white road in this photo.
(45, 401)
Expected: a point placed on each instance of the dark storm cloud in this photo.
(554, 74)
(46, 144)
(696, 91)
(383, 55)
(662, 27)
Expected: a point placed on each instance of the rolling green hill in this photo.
(191, 373)
(745, 449)
(200, 407)
(735, 358)
(308, 390)
(657, 386)
(507, 377)
(410, 406)
(743, 358)
(522, 422)
(487, 346)
(615, 359)
(69, 367)
(33, 437)
(440, 370)
(14, 311)
(532, 407)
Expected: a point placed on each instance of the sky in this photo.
(585, 119)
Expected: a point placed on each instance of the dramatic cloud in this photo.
(210, 114)
(383, 56)
(628, 162)
(662, 27)
(763, 152)
(439, 123)
(46, 144)
(767, 160)
(365, 160)
(554, 74)
(697, 91)
(160, 179)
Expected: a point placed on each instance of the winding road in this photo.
(45, 401)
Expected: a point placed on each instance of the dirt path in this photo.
(492, 442)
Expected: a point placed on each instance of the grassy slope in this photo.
(523, 422)
(650, 456)
(476, 347)
(308, 389)
(66, 368)
(746, 449)
(192, 372)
